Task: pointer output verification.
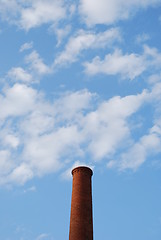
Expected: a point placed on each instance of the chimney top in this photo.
(82, 169)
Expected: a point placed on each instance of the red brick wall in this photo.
(81, 221)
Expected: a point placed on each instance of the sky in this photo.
(80, 84)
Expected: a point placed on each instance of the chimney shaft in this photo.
(81, 220)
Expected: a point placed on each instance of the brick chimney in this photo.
(81, 220)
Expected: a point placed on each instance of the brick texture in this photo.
(81, 220)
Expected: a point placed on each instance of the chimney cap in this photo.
(83, 169)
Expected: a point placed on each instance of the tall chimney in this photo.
(81, 220)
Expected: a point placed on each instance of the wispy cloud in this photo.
(43, 236)
(30, 189)
(85, 40)
(141, 38)
(26, 46)
(129, 66)
(60, 33)
(148, 145)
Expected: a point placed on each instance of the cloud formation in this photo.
(129, 66)
(85, 40)
(109, 12)
(19, 74)
(36, 63)
(34, 68)
(30, 14)
(39, 137)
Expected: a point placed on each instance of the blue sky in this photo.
(80, 84)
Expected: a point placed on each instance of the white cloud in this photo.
(9, 9)
(141, 38)
(19, 74)
(71, 105)
(29, 14)
(36, 63)
(17, 100)
(5, 163)
(108, 12)
(43, 236)
(127, 65)
(41, 121)
(39, 137)
(86, 40)
(30, 189)
(26, 46)
(35, 68)
(153, 57)
(40, 129)
(156, 94)
(154, 78)
(147, 145)
(111, 164)
(61, 33)
(42, 12)
(21, 174)
(43, 153)
(140, 151)
(107, 128)
(11, 140)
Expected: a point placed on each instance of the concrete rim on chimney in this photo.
(83, 169)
